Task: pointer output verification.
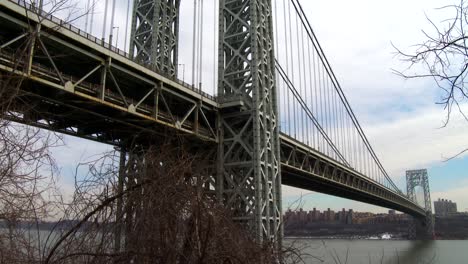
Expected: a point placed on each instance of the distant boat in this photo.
(386, 236)
(383, 236)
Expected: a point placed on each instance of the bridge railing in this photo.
(32, 8)
(312, 106)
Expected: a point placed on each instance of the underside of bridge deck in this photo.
(306, 168)
(73, 83)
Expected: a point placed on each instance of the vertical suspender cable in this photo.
(311, 87)
(359, 152)
(322, 105)
(197, 64)
(330, 110)
(105, 21)
(87, 15)
(215, 39)
(350, 139)
(316, 84)
(287, 65)
(343, 131)
(305, 81)
(300, 113)
(363, 159)
(309, 113)
(336, 120)
(112, 25)
(353, 118)
(332, 114)
(278, 94)
(292, 66)
(299, 8)
(126, 25)
(327, 105)
(319, 100)
(92, 18)
(365, 163)
(194, 40)
(200, 46)
(354, 147)
(343, 124)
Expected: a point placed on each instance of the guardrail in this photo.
(59, 22)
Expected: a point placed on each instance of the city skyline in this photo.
(389, 211)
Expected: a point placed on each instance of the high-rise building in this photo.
(302, 216)
(329, 215)
(349, 217)
(342, 216)
(444, 207)
(316, 215)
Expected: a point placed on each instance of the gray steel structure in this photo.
(109, 97)
(154, 38)
(419, 178)
(249, 179)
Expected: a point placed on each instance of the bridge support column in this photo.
(421, 228)
(249, 181)
(154, 37)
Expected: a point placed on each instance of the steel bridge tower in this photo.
(249, 180)
(415, 178)
(154, 38)
(248, 170)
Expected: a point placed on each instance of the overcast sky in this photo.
(400, 117)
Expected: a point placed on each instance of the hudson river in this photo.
(334, 251)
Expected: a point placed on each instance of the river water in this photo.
(339, 251)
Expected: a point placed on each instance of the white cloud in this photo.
(411, 141)
(417, 140)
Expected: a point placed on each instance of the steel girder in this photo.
(155, 34)
(306, 168)
(420, 178)
(249, 180)
(77, 87)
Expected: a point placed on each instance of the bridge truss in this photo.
(269, 125)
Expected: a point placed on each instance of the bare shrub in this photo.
(165, 213)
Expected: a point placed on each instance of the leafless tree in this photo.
(443, 56)
(28, 192)
(157, 208)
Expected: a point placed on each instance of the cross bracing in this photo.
(249, 171)
(110, 97)
(154, 34)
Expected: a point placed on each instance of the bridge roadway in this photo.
(74, 83)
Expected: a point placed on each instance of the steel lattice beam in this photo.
(154, 35)
(249, 180)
